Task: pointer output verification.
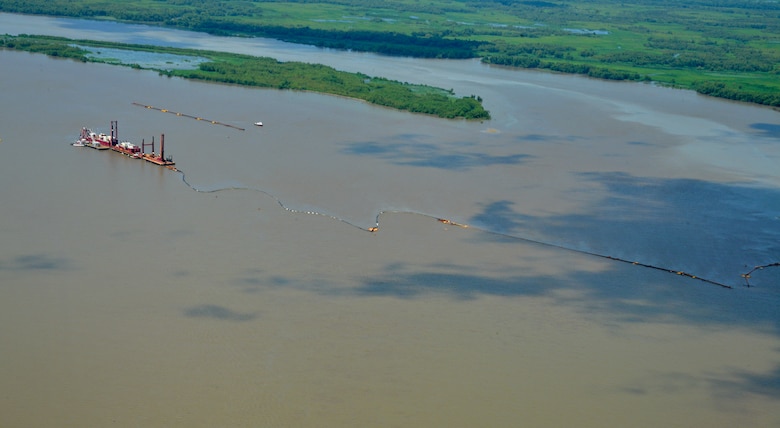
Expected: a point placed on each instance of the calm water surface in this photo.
(131, 299)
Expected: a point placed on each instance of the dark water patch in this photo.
(404, 282)
(717, 231)
(217, 312)
(671, 382)
(634, 224)
(499, 216)
(368, 148)
(615, 294)
(634, 390)
(536, 137)
(649, 296)
(279, 281)
(256, 281)
(37, 262)
(767, 129)
(459, 286)
(767, 384)
(641, 143)
(251, 281)
(251, 284)
(541, 138)
(731, 388)
(426, 155)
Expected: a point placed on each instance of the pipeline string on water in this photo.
(213, 122)
(375, 228)
(746, 276)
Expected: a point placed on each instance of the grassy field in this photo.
(700, 44)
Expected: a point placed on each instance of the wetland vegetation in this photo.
(263, 72)
(723, 48)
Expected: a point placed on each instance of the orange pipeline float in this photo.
(445, 221)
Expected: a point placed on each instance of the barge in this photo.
(128, 149)
(157, 159)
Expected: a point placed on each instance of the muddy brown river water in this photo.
(245, 290)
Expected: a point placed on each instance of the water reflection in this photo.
(767, 130)
(682, 218)
(37, 262)
(415, 153)
(217, 312)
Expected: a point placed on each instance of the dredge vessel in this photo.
(102, 141)
(91, 139)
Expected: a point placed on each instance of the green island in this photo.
(722, 48)
(262, 72)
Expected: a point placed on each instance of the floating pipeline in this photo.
(604, 256)
(746, 276)
(213, 122)
(445, 221)
(374, 229)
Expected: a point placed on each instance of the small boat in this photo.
(258, 123)
(79, 143)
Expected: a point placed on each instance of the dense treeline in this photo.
(723, 90)
(267, 72)
(728, 42)
(160, 12)
(563, 67)
(368, 41)
(765, 95)
(52, 46)
(270, 73)
(216, 17)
